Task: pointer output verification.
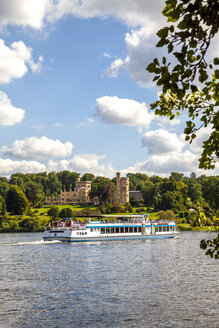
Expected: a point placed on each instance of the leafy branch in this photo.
(188, 43)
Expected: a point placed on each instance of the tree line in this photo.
(177, 193)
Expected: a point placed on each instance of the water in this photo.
(160, 283)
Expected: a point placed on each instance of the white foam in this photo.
(37, 242)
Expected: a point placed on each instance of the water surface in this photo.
(144, 283)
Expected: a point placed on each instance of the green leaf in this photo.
(194, 88)
(170, 47)
(151, 67)
(216, 72)
(182, 25)
(216, 61)
(163, 32)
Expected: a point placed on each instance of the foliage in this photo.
(212, 247)
(66, 213)
(88, 177)
(53, 212)
(166, 215)
(137, 181)
(194, 25)
(67, 179)
(102, 190)
(34, 193)
(16, 201)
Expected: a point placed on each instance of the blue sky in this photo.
(75, 95)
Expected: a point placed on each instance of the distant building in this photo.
(80, 194)
(122, 189)
(136, 194)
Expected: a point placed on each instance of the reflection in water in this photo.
(160, 283)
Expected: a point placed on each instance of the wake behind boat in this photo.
(128, 227)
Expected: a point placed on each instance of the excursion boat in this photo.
(129, 227)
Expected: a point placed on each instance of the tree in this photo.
(53, 184)
(194, 25)
(2, 205)
(16, 201)
(53, 212)
(177, 176)
(88, 177)
(66, 213)
(34, 192)
(166, 215)
(67, 179)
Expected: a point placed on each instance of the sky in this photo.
(75, 94)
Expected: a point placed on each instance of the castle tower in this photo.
(122, 192)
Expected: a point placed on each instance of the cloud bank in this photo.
(34, 148)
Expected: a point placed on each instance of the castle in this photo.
(80, 194)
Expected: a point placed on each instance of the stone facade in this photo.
(136, 194)
(80, 194)
(122, 189)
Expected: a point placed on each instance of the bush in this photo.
(182, 221)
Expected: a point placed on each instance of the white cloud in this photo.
(185, 162)
(162, 121)
(9, 115)
(126, 112)
(161, 141)
(8, 167)
(58, 125)
(14, 60)
(38, 148)
(107, 55)
(112, 71)
(23, 12)
(87, 122)
(132, 13)
(83, 163)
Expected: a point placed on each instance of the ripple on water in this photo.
(162, 283)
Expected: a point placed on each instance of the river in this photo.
(152, 283)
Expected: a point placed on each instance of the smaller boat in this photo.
(110, 227)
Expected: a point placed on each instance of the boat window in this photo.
(91, 229)
(117, 230)
(168, 229)
(135, 229)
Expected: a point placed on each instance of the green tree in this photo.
(88, 177)
(67, 179)
(34, 193)
(166, 215)
(66, 213)
(137, 181)
(16, 201)
(210, 190)
(102, 189)
(53, 212)
(4, 187)
(194, 25)
(177, 176)
(2, 202)
(53, 184)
